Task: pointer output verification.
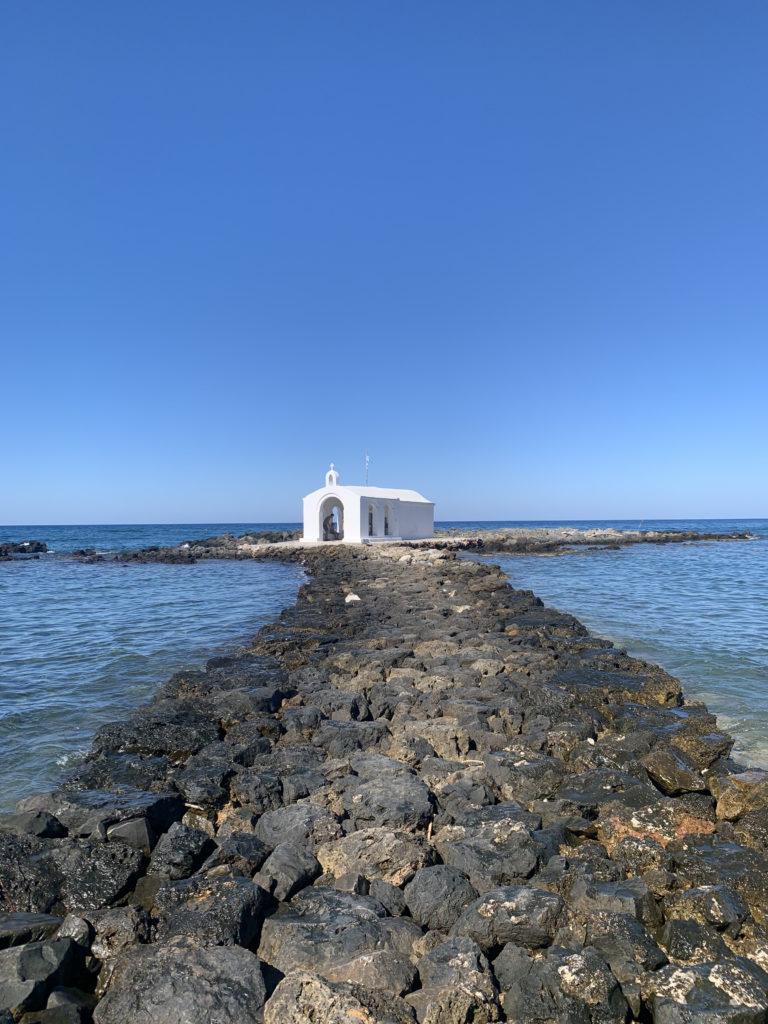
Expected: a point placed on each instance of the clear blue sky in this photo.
(518, 251)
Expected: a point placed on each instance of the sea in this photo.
(83, 644)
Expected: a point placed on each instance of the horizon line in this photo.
(297, 523)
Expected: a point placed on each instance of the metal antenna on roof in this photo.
(367, 461)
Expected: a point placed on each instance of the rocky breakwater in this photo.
(225, 545)
(421, 796)
(552, 540)
(10, 549)
(513, 540)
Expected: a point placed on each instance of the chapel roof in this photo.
(367, 491)
(385, 492)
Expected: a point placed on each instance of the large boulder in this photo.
(565, 985)
(181, 851)
(303, 998)
(738, 794)
(304, 823)
(95, 875)
(521, 914)
(669, 771)
(239, 852)
(722, 993)
(99, 812)
(706, 860)
(393, 856)
(54, 875)
(214, 911)
(457, 985)
(168, 728)
(179, 982)
(320, 929)
(287, 870)
(715, 906)
(29, 882)
(386, 792)
(381, 970)
(257, 790)
(437, 895)
(491, 854)
(28, 973)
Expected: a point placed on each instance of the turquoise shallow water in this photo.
(83, 644)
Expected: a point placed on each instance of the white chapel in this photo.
(366, 514)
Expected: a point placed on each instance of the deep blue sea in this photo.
(83, 644)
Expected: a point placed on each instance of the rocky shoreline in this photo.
(9, 549)
(513, 540)
(419, 796)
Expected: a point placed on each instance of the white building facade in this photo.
(366, 514)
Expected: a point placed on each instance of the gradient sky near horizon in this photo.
(516, 251)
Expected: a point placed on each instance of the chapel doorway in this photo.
(332, 519)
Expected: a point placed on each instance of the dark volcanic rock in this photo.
(723, 993)
(491, 855)
(388, 895)
(736, 795)
(436, 896)
(28, 883)
(705, 860)
(39, 876)
(28, 973)
(382, 970)
(116, 929)
(340, 739)
(386, 792)
(457, 985)
(242, 854)
(715, 905)
(286, 870)
(305, 823)
(33, 823)
(220, 911)
(95, 812)
(259, 791)
(16, 929)
(520, 914)
(168, 728)
(323, 928)
(304, 998)
(671, 774)
(122, 772)
(377, 853)
(180, 851)
(566, 985)
(180, 981)
(688, 942)
(23, 547)
(95, 875)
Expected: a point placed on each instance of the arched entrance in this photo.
(332, 518)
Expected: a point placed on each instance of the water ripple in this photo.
(84, 644)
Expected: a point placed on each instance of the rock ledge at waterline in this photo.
(514, 540)
(419, 796)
